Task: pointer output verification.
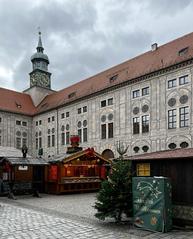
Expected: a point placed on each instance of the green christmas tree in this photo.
(115, 198)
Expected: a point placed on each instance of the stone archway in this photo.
(108, 154)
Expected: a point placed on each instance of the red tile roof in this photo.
(167, 154)
(16, 102)
(151, 61)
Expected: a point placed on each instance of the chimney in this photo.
(154, 47)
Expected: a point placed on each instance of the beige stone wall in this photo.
(157, 139)
(9, 129)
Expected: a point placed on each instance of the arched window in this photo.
(108, 154)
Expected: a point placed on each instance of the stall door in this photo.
(38, 178)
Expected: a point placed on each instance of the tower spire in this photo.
(40, 76)
(40, 47)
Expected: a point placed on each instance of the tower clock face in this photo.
(40, 79)
(44, 80)
(33, 79)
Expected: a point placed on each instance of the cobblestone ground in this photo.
(66, 216)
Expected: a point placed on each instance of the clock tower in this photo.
(40, 75)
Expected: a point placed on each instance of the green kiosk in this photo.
(152, 207)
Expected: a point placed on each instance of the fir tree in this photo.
(115, 198)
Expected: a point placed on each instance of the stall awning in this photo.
(24, 161)
(65, 158)
(167, 154)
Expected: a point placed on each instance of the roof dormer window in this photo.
(18, 105)
(113, 78)
(72, 95)
(183, 51)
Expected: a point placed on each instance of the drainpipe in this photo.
(57, 129)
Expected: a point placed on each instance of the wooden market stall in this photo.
(20, 175)
(76, 171)
(178, 166)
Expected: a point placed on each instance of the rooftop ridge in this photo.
(131, 59)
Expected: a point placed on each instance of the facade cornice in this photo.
(17, 113)
(125, 83)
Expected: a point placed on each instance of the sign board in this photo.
(23, 168)
(152, 203)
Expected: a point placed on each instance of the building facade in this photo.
(145, 102)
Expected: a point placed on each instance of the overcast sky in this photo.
(83, 37)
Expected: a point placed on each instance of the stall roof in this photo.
(24, 161)
(65, 158)
(167, 154)
(10, 152)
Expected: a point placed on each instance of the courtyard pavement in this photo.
(66, 216)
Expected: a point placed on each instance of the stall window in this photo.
(143, 169)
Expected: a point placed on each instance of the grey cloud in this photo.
(81, 38)
(168, 7)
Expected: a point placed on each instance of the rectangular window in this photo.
(49, 141)
(53, 118)
(145, 91)
(183, 80)
(24, 141)
(145, 123)
(36, 143)
(67, 137)
(40, 122)
(110, 101)
(53, 140)
(80, 134)
(62, 116)
(49, 120)
(136, 93)
(143, 169)
(0, 119)
(36, 123)
(103, 103)
(67, 114)
(110, 130)
(103, 131)
(40, 143)
(172, 119)
(136, 125)
(84, 109)
(18, 122)
(62, 138)
(85, 135)
(24, 123)
(18, 143)
(79, 110)
(184, 117)
(172, 83)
